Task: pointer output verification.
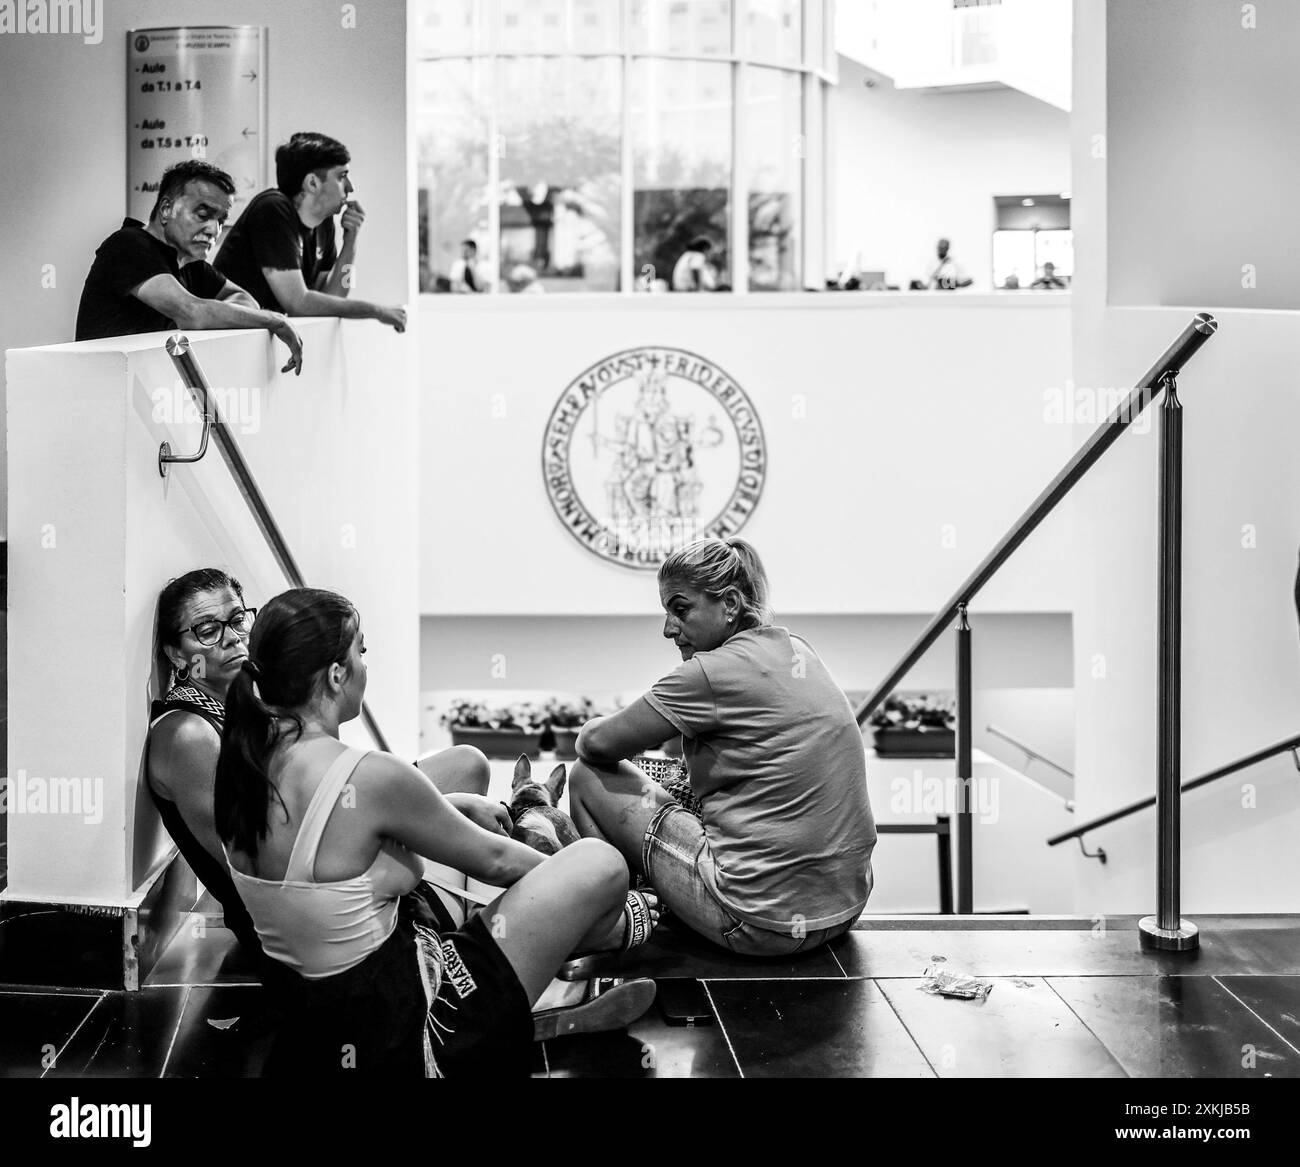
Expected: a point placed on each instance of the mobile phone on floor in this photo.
(684, 1002)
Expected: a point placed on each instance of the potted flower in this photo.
(566, 716)
(500, 731)
(917, 726)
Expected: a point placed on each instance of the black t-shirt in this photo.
(123, 262)
(269, 234)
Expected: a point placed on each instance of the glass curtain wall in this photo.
(618, 145)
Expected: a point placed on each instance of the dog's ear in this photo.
(523, 774)
(555, 783)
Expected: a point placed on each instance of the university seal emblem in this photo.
(649, 450)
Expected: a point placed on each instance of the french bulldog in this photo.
(533, 810)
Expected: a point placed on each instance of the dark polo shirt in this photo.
(123, 262)
(269, 234)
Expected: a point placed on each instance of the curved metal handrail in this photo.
(182, 355)
(1291, 744)
(1197, 332)
(178, 348)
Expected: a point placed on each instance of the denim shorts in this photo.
(680, 867)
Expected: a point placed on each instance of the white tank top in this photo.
(321, 929)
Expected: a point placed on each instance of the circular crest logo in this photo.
(649, 450)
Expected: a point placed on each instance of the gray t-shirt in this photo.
(776, 757)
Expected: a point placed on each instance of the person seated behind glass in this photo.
(949, 274)
(1049, 278)
(156, 277)
(201, 640)
(282, 248)
(779, 859)
(693, 272)
(465, 275)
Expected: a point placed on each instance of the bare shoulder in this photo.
(182, 732)
(179, 745)
(387, 777)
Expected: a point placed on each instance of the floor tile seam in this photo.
(731, 1049)
(1095, 1036)
(203, 985)
(180, 1018)
(1257, 1017)
(910, 1035)
(73, 1034)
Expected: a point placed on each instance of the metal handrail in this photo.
(1032, 755)
(1291, 744)
(1201, 328)
(182, 355)
(178, 348)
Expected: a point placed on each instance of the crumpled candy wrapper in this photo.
(943, 983)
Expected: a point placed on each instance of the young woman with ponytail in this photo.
(200, 642)
(778, 858)
(325, 844)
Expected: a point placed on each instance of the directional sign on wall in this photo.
(195, 93)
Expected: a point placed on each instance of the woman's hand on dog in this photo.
(483, 812)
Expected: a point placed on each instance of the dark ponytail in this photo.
(295, 638)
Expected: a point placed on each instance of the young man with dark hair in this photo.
(156, 277)
(282, 248)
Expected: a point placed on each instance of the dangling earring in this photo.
(182, 674)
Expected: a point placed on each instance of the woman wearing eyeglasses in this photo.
(201, 640)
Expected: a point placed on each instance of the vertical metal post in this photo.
(943, 834)
(1167, 930)
(965, 858)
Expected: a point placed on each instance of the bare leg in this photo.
(572, 901)
(459, 770)
(615, 804)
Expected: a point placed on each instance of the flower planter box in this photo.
(892, 742)
(498, 743)
(566, 741)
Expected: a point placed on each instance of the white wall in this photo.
(1204, 162)
(1014, 650)
(1241, 680)
(921, 414)
(96, 532)
(63, 185)
(910, 167)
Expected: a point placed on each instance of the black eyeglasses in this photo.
(210, 632)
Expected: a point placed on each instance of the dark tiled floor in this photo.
(987, 1039)
(125, 1035)
(800, 1028)
(1067, 1002)
(35, 1027)
(1178, 1027)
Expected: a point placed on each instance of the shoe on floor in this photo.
(612, 1007)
